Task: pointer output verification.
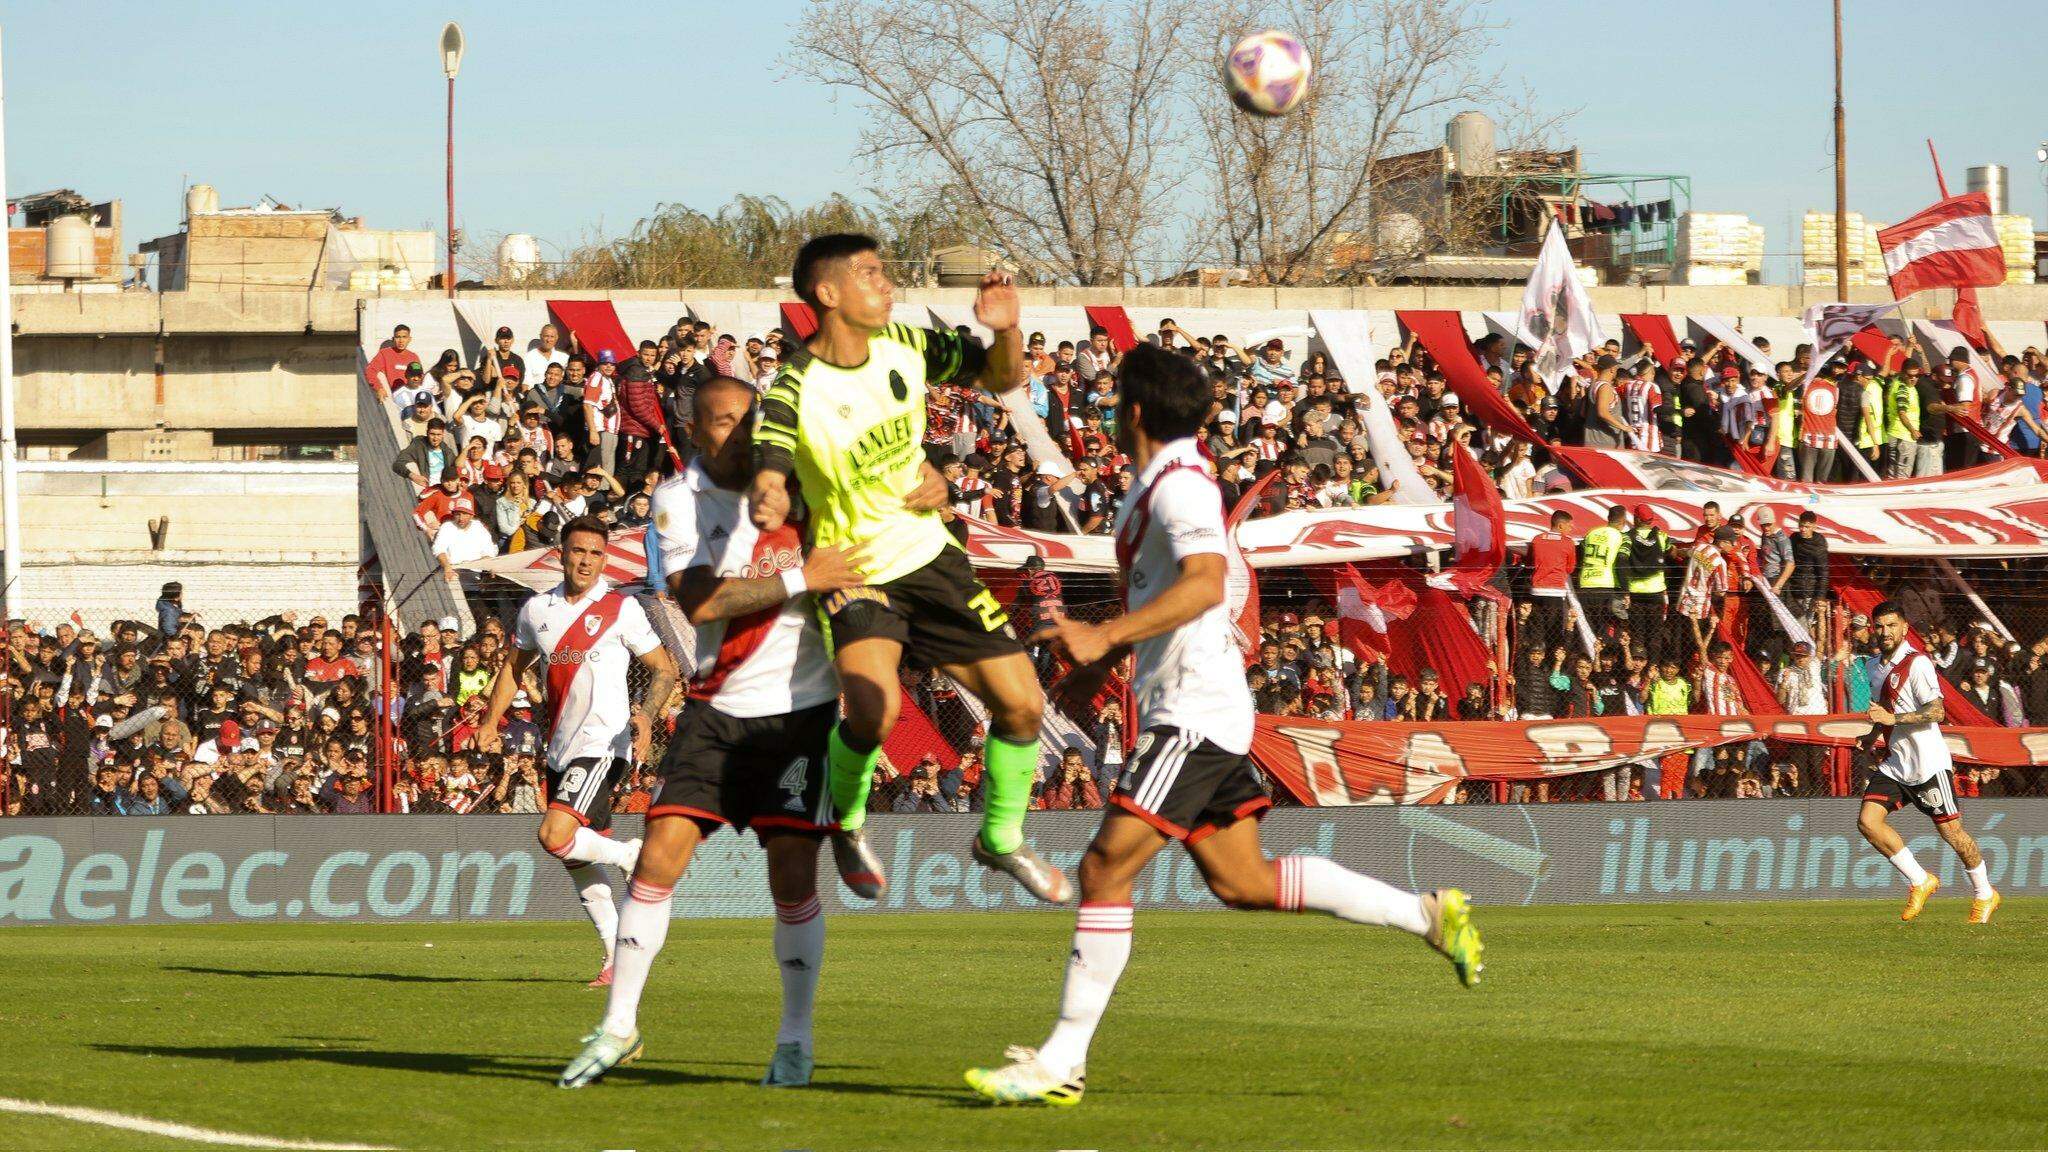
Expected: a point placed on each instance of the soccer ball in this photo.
(1268, 73)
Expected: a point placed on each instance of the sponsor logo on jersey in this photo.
(881, 448)
(897, 387)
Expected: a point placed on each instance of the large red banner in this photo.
(1330, 762)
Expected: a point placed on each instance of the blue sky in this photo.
(576, 118)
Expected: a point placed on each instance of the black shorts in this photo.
(1937, 797)
(765, 772)
(941, 613)
(1185, 786)
(583, 788)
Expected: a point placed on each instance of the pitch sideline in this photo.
(175, 1131)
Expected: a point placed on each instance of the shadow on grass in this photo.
(382, 977)
(539, 1069)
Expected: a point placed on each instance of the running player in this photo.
(586, 634)
(749, 747)
(1190, 779)
(1916, 769)
(846, 416)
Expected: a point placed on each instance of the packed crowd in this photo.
(171, 714)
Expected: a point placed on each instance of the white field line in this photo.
(175, 1131)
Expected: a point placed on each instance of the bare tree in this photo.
(1052, 120)
(1388, 74)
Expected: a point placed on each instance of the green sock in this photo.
(850, 775)
(1006, 792)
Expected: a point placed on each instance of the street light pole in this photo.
(1841, 172)
(451, 63)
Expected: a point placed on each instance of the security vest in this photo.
(1598, 554)
(1647, 574)
(1902, 409)
(1785, 423)
(1873, 429)
(1670, 697)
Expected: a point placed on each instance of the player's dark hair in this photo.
(819, 251)
(1886, 608)
(717, 383)
(1171, 396)
(584, 524)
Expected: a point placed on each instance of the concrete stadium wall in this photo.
(78, 870)
(245, 584)
(246, 539)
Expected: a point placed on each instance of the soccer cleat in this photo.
(790, 1067)
(1917, 898)
(859, 868)
(1982, 907)
(601, 1053)
(1452, 932)
(604, 978)
(1024, 1081)
(632, 848)
(1025, 867)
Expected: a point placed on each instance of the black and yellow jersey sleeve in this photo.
(775, 440)
(949, 358)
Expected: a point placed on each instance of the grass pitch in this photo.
(1729, 1026)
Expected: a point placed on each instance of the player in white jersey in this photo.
(1916, 769)
(585, 635)
(1191, 779)
(749, 749)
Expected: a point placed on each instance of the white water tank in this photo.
(1990, 179)
(1470, 139)
(201, 200)
(518, 257)
(68, 249)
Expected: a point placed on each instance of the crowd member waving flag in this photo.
(1478, 526)
(1557, 322)
(1953, 244)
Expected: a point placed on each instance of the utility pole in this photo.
(10, 480)
(1841, 172)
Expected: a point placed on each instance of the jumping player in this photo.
(1191, 779)
(846, 416)
(749, 747)
(586, 634)
(1916, 769)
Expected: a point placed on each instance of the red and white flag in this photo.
(1954, 244)
(1364, 612)
(1478, 527)
(1556, 323)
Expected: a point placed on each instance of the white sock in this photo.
(1314, 883)
(1909, 867)
(1980, 881)
(589, 846)
(596, 890)
(1102, 945)
(643, 927)
(799, 950)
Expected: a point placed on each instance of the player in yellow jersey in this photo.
(846, 417)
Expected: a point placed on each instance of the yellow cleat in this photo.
(1981, 909)
(1026, 1081)
(1917, 899)
(1452, 932)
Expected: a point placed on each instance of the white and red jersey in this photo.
(602, 393)
(1719, 695)
(586, 645)
(1193, 676)
(1640, 399)
(1817, 413)
(1914, 753)
(767, 663)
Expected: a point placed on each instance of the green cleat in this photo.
(1452, 932)
(601, 1053)
(1026, 1081)
(790, 1067)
